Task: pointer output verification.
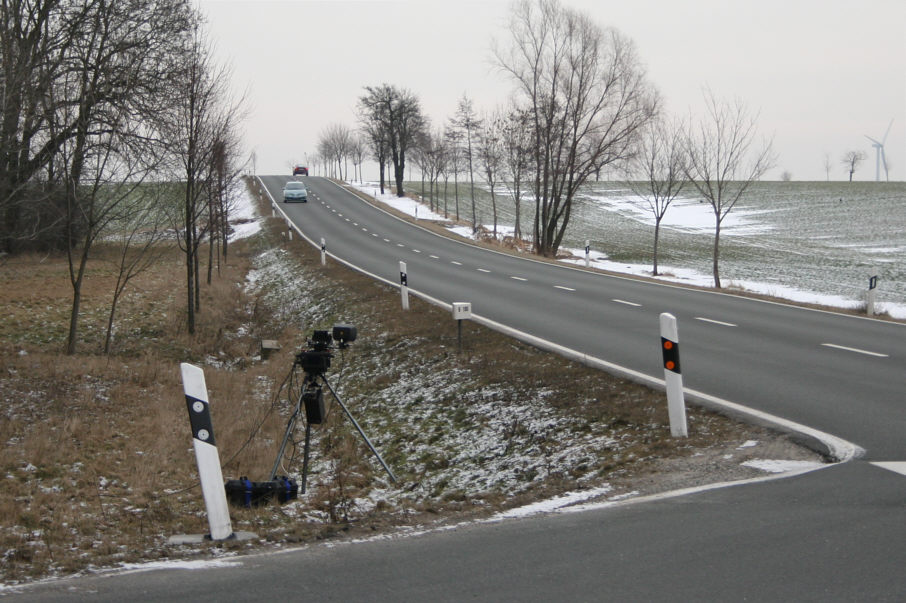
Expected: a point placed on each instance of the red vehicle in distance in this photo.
(300, 170)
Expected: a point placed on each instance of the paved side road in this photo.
(789, 539)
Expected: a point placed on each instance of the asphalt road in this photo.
(832, 534)
(836, 373)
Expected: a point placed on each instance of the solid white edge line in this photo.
(856, 350)
(834, 447)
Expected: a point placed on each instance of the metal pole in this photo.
(359, 429)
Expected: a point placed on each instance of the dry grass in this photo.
(96, 455)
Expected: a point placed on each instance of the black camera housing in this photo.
(316, 359)
(344, 335)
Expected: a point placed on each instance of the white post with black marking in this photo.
(871, 296)
(206, 455)
(323, 252)
(289, 229)
(676, 403)
(404, 285)
(587, 253)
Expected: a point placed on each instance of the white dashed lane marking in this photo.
(563, 288)
(715, 322)
(855, 350)
(627, 303)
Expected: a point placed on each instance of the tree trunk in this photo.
(76, 305)
(717, 254)
(657, 231)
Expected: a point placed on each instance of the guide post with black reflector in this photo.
(871, 295)
(404, 285)
(673, 378)
(323, 252)
(209, 470)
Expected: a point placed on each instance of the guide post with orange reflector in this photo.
(676, 404)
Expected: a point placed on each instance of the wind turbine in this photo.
(879, 154)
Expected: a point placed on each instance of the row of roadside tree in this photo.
(581, 105)
(117, 125)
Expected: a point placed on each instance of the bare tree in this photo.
(587, 95)
(397, 115)
(376, 137)
(357, 150)
(723, 161)
(827, 166)
(516, 139)
(454, 151)
(336, 142)
(117, 47)
(658, 175)
(202, 117)
(467, 122)
(490, 156)
(851, 160)
(137, 235)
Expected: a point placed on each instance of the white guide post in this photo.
(871, 295)
(404, 285)
(206, 455)
(676, 403)
(587, 253)
(323, 252)
(289, 229)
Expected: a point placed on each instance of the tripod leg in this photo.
(289, 430)
(305, 457)
(359, 429)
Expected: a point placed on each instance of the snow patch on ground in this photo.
(780, 466)
(244, 218)
(552, 504)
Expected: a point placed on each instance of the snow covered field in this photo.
(811, 242)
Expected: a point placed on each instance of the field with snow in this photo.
(813, 242)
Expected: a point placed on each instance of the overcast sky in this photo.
(822, 73)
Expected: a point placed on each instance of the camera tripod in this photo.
(312, 397)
